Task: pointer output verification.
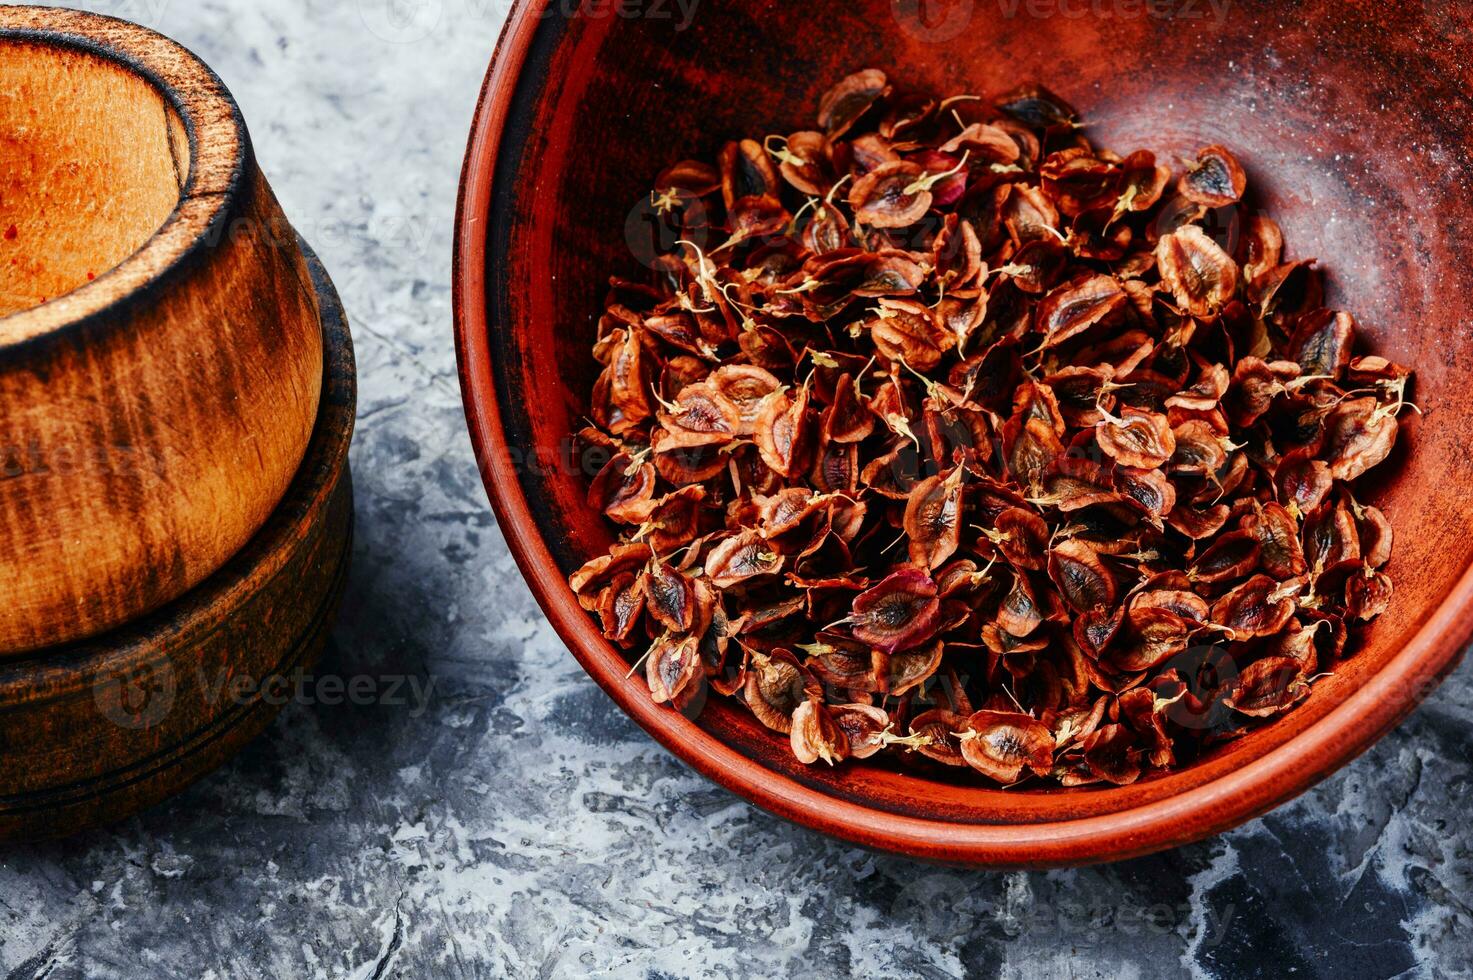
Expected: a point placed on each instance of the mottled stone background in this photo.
(513, 822)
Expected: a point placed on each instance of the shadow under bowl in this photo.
(1351, 122)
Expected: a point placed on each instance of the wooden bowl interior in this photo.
(95, 158)
(1344, 115)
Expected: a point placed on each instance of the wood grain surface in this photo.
(93, 731)
(151, 417)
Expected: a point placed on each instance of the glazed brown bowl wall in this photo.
(1353, 123)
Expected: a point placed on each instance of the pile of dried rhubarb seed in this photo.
(939, 431)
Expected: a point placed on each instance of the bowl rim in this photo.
(219, 151)
(1285, 771)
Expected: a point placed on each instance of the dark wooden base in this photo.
(94, 731)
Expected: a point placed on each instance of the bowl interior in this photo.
(95, 160)
(1345, 116)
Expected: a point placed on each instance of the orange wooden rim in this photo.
(218, 149)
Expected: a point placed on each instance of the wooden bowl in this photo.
(160, 350)
(96, 730)
(1352, 120)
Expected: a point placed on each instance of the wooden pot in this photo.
(1352, 118)
(160, 350)
(96, 730)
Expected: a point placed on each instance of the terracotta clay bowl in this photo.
(1353, 123)
(160, 345)
(96, 730)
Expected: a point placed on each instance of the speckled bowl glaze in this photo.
(1353, 121)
